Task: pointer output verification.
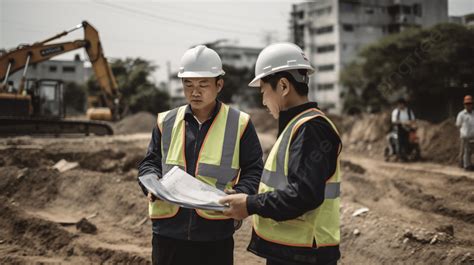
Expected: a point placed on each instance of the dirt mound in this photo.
(35, 236)
(39, 205)
(367, 128)
(367, 133)
(416, 198)
(34, 186)
(141, 122)
(440, 142)
(101, 255)
(122, 159)
(263, 121)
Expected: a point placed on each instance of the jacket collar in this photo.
(287, 115)
(188, 113)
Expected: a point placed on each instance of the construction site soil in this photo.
(392, 213)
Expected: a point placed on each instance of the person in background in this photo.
(402, 119)
(465, 122)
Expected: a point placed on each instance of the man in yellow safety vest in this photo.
(213, 142)
(296, 210)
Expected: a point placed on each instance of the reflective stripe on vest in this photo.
(218, 161)
(224, 172)
(321, 224)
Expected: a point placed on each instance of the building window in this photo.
(323, 11)
(417, 10)
(322, 30)
(348, 27)
(325, 48)
(394, 10)
(69, 69)
(406, 10)
(347, 7)
(326, 86)
(326, 67)
(393, 28)
(53, 68)
(300, 14)
(231, 56)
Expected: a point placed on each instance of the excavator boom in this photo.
(25, 55)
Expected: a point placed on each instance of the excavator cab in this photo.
(47, 98)
(40, 98)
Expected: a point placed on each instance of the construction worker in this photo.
(296, 210)
(211, 141)
(465, 121)
(402, 120)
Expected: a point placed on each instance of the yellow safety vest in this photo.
(322, 223)
(218, 162)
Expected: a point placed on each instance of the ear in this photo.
(285, 86)
(220, 85)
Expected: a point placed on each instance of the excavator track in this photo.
(15, 126)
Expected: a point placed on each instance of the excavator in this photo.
(37, 107)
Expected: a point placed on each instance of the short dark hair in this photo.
(301, 88)
(401, 101)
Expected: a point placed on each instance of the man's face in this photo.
(201, 92)
(271, 99)
(468, 106)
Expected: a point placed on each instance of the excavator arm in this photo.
(23, 56)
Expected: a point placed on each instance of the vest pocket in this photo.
(161, 209)
(294, 232)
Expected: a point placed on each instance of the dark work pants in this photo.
(403, 142)
(271, 262)
(169, 251)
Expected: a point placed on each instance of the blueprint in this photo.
(180, 188)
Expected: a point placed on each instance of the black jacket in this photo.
(312, 161)
(187, 224)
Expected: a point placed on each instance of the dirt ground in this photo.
(418, 213)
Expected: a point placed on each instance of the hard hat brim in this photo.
(256, 81)
(190, 74)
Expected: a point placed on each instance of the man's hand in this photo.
(230, 191)
(151, 197)
(237, 204)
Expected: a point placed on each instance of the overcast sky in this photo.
(159, 31)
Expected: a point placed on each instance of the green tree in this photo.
(75, 96)
(236, 85)
(421, 64)
(139, 93)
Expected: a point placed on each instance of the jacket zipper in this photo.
(194, 151)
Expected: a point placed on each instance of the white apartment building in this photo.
(331, 32)
(467, 20)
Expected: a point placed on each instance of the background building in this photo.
(65, 70)
(331, 32)
(467, 20)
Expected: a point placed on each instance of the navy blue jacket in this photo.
(312, 161)
(187, 224)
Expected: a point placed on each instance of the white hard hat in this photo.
(200, 61)
(280, 57)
